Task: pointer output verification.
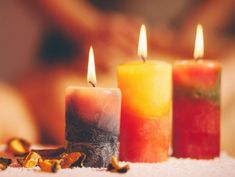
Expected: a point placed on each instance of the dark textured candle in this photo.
(92, 123)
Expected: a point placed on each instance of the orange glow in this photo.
(142, 47)
(199, 43)
(91, 76)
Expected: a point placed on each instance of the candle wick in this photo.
(197, 59)
(93, 85)
(143, 58)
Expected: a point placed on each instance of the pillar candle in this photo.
(145, 112)
(196, 106)
(92, 122)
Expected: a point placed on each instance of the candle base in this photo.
(97, 154)
(144, 139)
(98, 145)
(196, 135)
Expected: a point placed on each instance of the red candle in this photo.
(196, 106)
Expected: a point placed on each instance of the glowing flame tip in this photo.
(199, 43)
(91, 76)
(142, 47)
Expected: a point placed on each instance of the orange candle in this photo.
(146, 102)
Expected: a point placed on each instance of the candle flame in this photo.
(142, 47)
(199, 43)
(91, 76)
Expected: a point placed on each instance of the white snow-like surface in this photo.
(219, 167)
(224, 166)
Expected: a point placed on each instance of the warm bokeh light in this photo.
(91, 76)
(199, 43)
(142, 47)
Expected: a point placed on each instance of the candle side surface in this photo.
(145, 114)
(196, 109)
(92, 123)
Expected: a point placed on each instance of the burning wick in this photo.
(142, 47)
(93, 85)
(143, 58)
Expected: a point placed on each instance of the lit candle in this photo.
(196, 105)
(92, 120)
(146, 101)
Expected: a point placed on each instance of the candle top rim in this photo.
(210, 63)
(92, 88)
(147, 63)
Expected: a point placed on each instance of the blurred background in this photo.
(44, 48)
